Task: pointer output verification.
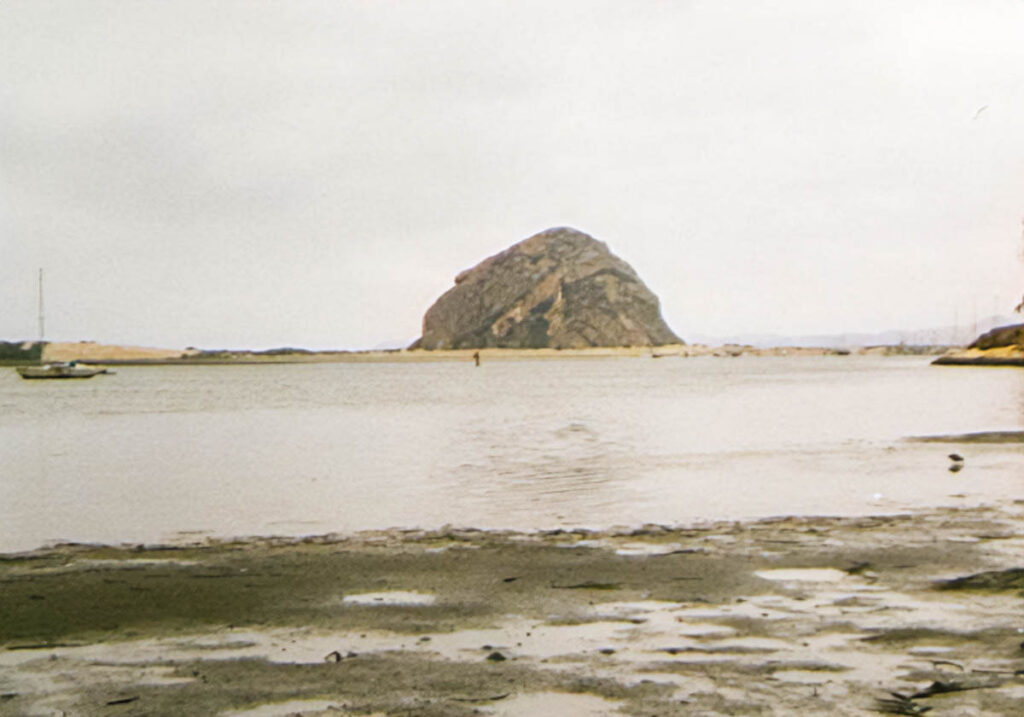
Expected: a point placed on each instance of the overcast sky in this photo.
(257, 174)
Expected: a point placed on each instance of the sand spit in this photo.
(108, 354)
(809, 616)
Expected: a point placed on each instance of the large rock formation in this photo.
(559, 289)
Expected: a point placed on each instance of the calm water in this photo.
(154, 453)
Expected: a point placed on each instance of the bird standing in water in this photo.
(957, 462)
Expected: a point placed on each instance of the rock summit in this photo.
(557, 289)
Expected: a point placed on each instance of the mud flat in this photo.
(787, 616)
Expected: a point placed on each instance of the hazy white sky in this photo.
(255, 174)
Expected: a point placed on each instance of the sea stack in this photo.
(557, 289)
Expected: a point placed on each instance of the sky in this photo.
(247, 174)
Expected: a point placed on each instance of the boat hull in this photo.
(42, 372)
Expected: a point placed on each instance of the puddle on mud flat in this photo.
(814, 640)
(553, 703)
(803, 575)
(395, 597)
(702, 629)
(805, 677)
(930, 650)
(649, 549)
(129, 563)
(283, 709)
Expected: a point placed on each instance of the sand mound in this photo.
(91, 351)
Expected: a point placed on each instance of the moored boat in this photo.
(59, 370)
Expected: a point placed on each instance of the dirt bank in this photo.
(791, 616)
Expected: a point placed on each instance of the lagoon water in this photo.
(172, 453)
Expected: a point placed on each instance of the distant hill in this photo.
(940, 336)
(391, 345)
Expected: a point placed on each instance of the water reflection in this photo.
(527, 468)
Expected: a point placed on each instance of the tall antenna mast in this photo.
(42, 321)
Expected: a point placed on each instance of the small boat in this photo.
(60, 370)
(56, 369)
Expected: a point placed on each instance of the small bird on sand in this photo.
(957, 462)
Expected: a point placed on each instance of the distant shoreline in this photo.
(88, 352)
(91, 353)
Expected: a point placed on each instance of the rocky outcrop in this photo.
(1002, 336)
(1003, 346)
(558, 289)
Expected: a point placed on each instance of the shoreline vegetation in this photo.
(895, 614)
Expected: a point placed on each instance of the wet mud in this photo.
(894, 614)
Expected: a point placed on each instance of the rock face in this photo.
(1002, 336)
(1003, 346)
(558, 289)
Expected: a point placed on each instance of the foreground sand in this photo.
(792, 616)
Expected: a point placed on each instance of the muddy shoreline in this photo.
(783, 616)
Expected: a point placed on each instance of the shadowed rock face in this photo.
(558, 289)
(1002, 336)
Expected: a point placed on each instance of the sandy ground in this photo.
(91, 351)
(794, 616)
